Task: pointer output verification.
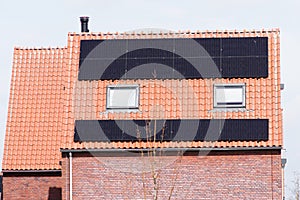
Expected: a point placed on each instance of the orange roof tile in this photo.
(46, 98)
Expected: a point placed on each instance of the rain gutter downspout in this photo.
(70, 173)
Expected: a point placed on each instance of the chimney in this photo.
(84, 24)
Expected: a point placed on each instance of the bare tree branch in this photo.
(295, 190)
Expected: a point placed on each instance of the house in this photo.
(1, 186)
(186, 115)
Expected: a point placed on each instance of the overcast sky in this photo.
(35, 23)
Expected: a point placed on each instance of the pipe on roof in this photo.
(84, 24)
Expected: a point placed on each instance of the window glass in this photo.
(229, 95)
(122, 96)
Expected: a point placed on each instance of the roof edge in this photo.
(31, 171)
(179, 32)
(40, 48)
(171, 149)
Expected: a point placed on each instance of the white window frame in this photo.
(229, 104)
(122, 87)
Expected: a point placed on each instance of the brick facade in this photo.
(219, 175)
(33, 186)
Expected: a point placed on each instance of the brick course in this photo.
(219, 175)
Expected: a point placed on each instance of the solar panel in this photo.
(172, 130)
(182, 58)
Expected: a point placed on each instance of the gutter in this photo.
(31, 171)
(170, 149)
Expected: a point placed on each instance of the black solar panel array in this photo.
(172, 130)
(245, 57)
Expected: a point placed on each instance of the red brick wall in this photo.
(32, 186)
(220, 175)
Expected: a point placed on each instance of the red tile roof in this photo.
(35, 112)
(46, 98)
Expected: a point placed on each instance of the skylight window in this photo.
(122, 97)
(229, 95)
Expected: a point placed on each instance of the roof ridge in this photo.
(179, 32)
(40, 48)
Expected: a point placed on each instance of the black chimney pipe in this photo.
(84, 24)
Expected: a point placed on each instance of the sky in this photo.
(35, 23)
